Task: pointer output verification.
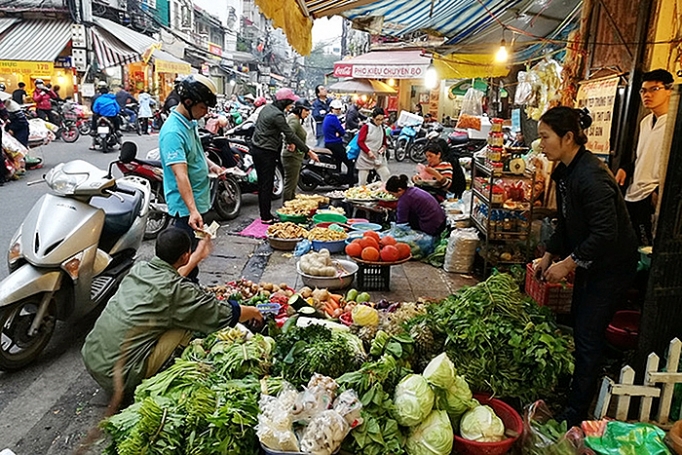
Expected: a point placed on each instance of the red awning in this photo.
(384, 65)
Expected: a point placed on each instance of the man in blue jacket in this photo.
(333, 134)
(105, 105)
(320, 109)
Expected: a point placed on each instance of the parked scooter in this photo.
(150, 170)
(124, 120)
(238, 142)
(107, 137)
(427, 134)
(69, 255)
(460, 144)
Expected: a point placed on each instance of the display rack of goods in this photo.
(502, 203)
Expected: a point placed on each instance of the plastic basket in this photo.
(512, 423)
(374, 277)
(557, 296)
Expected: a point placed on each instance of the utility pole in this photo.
(344, 38)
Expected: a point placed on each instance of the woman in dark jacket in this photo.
(594, 238)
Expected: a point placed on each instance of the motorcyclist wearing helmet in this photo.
(333, 140)
(185, 166)
(104, 105)
(292, 157)
(173, 99)
(267, 146)
(258, 104)
(42, 97)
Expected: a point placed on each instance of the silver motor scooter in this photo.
(69, 255)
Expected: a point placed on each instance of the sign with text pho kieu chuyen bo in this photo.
(599, 98)
(379, 71)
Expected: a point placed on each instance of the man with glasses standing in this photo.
(641, 195)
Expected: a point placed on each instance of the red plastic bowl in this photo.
(623, 330)
(513, 424)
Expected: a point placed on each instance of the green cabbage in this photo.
(413, 400)
(440, 372)
(432, 437)
(456, 400)
(481, 424)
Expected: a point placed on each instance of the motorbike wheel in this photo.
(401, 150)
(278, 186)
(17, 348)
(70, 134)
(305, 185)
(417, 152)
(157, 221)
(228, 199)
(84, 128)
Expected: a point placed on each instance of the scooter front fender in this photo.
(26, 281)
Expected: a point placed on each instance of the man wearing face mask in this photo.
(185, 166)
(42, 97)
(267, 145)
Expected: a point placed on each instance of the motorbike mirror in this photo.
(128, 152)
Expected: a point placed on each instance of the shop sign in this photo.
(378, 71)
(31, 69)
(164, 66)
(599, 98)
(62, 62)
(215, 49)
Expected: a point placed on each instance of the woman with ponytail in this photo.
(594, 238)
(416, 207)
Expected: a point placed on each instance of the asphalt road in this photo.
(49, 407)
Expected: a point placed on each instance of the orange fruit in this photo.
(403, 250)
(370, 254)
(389, 253)
(372, 234)
(387, 240)
(354, 249)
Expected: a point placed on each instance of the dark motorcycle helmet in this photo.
(198, 89)
(300, 105)
(2, 87)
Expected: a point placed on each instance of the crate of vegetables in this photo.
(557, 296)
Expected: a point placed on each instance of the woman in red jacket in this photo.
(42, 97)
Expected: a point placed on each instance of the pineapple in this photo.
(366, 334)
(425, 345)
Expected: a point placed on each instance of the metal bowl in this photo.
(331, 283)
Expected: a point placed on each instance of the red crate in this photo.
(557, 296)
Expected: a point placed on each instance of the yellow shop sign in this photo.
(31, 69)
(164, 66)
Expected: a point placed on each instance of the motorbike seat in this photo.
(457, 138)
(119, 216)
(153, 163)
(322, 151)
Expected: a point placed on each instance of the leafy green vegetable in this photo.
(481, 424)
(440, 372)
(301, 352)
(455, 400)
(502, 341)
(432, 437)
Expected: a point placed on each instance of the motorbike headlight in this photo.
(14, 253)
(63, 183)
(72, 265)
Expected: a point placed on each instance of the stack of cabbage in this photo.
(431, 405)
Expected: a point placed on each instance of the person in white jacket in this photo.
(146, 102)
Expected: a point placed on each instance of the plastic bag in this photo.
(310, 403)
(303, 247)
(348, 405)
(524, 90)
(461, 251)
(472, 109)
(544, 436)
(353, 149)
(274, 428)
(40, 131)
(620, 438)
(421, 244)
(325, 433)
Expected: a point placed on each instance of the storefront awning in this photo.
(168, 63)
(362, 86)
(134, 40)
(7, 22)
(468, 66)
(110, 51)
(49, 38)
(384, 65)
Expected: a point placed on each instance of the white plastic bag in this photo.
(461, 251)
(325, 433)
